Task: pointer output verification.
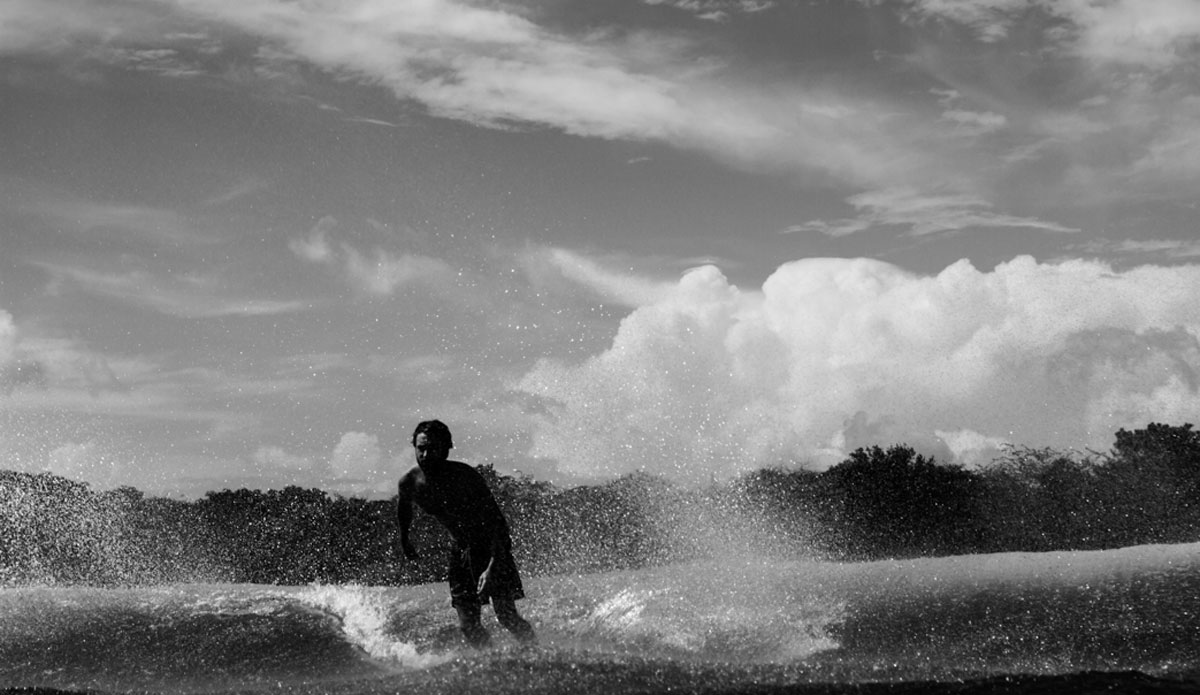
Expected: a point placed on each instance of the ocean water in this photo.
(1125, 620)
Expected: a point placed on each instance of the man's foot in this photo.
(477, 636)
(472, 628)
(506, 613)
(526, 637)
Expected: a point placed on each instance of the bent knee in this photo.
(504, 607)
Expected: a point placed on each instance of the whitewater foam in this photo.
(366, 616)
(709, 611)
(921, 619)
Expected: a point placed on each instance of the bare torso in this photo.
(458, 497)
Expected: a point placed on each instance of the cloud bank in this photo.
(832, 354)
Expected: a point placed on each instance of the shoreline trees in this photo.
(878, 503)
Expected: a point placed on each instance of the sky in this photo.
(251, 243)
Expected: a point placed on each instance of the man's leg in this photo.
(464, 599)
(506, 613)
(472, 628)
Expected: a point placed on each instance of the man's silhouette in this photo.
(482, 568)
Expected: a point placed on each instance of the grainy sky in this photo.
(253, 242)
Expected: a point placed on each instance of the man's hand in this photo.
(409, 551)
(485, 580)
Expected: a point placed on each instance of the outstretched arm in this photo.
(404, 516)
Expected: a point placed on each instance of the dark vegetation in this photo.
(877, 503)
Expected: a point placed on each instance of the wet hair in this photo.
(436, 430)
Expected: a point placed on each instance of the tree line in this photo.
(878, 503)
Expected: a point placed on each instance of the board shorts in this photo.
(466, 564)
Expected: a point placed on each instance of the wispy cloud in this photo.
(966, 122)
(115, 221)
(75, 379)
(494, 65)
(315, 247)
(1142, 249)
(382, 273)
(621, 287)
(378, 272)
(192, 296)
(1155, 34)
(374, 121)
(167, 62)
(973, 122)
(922, 214)
(242, 189)
(716, 10)
(52, 27)
(991, 20)
(1097, 98)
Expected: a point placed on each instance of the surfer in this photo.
(482, 568)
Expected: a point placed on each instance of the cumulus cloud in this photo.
(357, 456)
(971, 448)
(77, 461)
(17, 369)
(272, 460)
(356, 466)
(359, 468)
(8, 338)
(830, 354)
(91, 460)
